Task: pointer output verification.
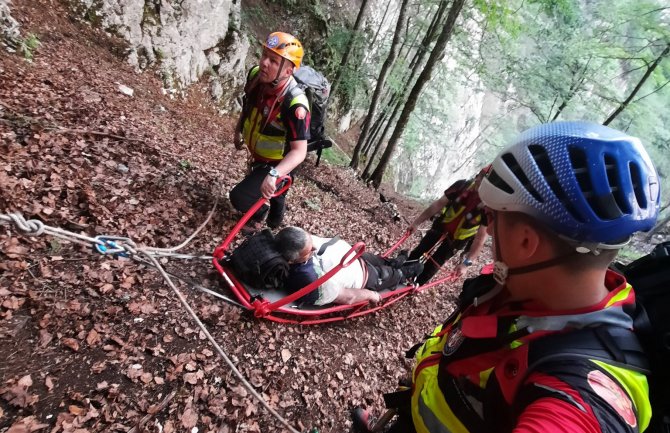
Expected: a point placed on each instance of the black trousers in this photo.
(381, 276)
(246, 193)
(440, 255)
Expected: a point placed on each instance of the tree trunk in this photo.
(382, 139)
(379, 29)
(375, 131)
(426, 75)
(350, 45)
(396, 98)
(574, 87)
(637, 88)
(381, 80)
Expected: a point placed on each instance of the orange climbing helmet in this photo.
(285, 45)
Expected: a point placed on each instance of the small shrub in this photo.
(28, 46)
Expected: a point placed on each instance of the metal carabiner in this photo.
(110, 246)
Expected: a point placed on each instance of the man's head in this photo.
(585, 187)
(282, 54)
(294, 244)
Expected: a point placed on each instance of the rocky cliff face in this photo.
(186, 39)
(450, 143)
(9, 27)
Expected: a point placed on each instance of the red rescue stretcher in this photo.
(281, 306)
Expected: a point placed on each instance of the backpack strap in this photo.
(325, 245)
(614, 345)
(291, 92)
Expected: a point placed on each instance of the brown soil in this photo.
(92, 343)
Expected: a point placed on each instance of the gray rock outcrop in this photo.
(9, 27)
(186, 39)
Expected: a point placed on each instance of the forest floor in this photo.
(91, 343)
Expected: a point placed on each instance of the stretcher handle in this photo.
(353, 254)
(288, 181)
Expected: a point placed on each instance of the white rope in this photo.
(218, 348)
(36, 228)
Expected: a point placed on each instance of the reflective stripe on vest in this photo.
(430, 411)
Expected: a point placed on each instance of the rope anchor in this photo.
(113, 245)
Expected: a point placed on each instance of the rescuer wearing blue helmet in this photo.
(560, 201)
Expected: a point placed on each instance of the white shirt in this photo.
(351, 277)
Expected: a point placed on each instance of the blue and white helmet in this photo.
(590, 184)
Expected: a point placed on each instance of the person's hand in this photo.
(411, 229)
(459, 271)
(376, 298)
(237, 140)
(268, 187)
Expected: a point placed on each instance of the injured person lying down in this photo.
(310, 257)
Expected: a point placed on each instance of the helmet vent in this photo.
(541, 158)
(636, 177)
(515, 168)
(499, 183)
(614, 180)
(604, 206)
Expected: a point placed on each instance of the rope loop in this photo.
(27, 227)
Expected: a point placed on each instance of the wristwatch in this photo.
(273, 172)
(467, 262)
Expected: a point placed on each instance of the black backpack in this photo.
(258, 263)
(647, 349)
(317, 90)
(650, 277)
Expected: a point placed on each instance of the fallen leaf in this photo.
(26, 425)
(49, 383)
(26, 381)
(285, 355)
(71, 343)
(189, 418)
(76, 410)
(93, 337)
(191, 378)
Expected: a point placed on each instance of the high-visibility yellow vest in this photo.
(463, 216)
(265, 133)
(432, 414)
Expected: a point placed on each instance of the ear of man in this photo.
(537, 239)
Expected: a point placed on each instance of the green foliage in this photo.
(54, 246)
(354, 86)
(28, 45)
(334, 156)
(499, 14)
(185, 165)
(628, 254)
(257, 16)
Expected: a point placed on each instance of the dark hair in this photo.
(290, 242)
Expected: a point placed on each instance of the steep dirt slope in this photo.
(91, 343)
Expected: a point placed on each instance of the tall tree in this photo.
(650, 69)
(397, 94)
(360, 18)
(424, 77)
(381, 81)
